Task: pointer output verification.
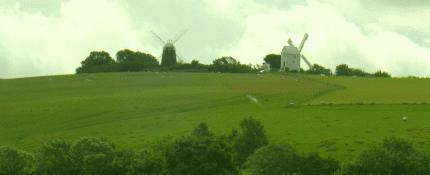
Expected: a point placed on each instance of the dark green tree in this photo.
(273, 159)
(129, 60)
(146, 162)
(379, 73)
(225, 60)
(53, 157)
(125, 55)
(253, 136)
(199, 155)
(94, 155)
(97, 61)
(194, 63)
(394, 156)
(274, 60)
(318, 69)
(13, 161)
(343, 70)
(202, 130)
(229, 64)
(314, 164)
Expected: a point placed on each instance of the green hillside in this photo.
(132, 108)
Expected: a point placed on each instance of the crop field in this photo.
(133, 108)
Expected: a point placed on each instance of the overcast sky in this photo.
(50, 37)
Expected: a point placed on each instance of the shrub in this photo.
(394, 156)
(93, 155)
(146, 162)
(252, 138)
(16, 162)
(202, 130)
(199, 155)
(53, 157)
(273, 159)
(314, 164)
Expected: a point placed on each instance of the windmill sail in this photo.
(307, 62)
(303, 42)
(169, 56)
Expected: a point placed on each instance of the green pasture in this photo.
(133, 108)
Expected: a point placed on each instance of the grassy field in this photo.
(132, 108)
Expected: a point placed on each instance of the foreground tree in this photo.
(253, 136)
(53, 157)
(199, 155)
(394, 156)
(13, 161)
(94, 156)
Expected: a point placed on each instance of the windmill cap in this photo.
(290, 49)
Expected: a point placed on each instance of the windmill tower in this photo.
(169, 55)
(290, 55)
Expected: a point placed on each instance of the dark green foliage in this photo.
(344, 70)
(146, 162)
(253, 136)
(273, 159)
(93, 155)
(282, 158)
(229, 64)
(379, 73)
(97, 61)
(393, 157)
(317, 69)
(203, 155)
(194, 63)
(202, 130)
(294, 71)
(53, 157)
(13, 161)
(127, 60)
(314, 164)
(274, 60)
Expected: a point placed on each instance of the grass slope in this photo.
(132, 108)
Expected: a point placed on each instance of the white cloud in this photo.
(57, 45)
(236, 11)
(332, 41)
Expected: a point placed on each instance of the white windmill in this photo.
(169, 51)
(290, 55)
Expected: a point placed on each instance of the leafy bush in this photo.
(394, 156)
(273, 159)
(202, 130)
(199, 155)
(53, 157)
(94, 155)
(252, 138)
(146, 162)
(16, 162)
(282, 158)
(314, 164)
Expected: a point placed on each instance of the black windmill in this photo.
(169, 55)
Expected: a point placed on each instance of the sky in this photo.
(52, 37)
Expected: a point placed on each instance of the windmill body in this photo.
(290, 56)
(169, 54)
